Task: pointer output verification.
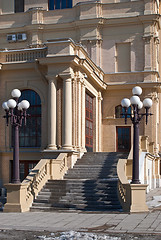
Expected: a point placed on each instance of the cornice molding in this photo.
(88, 22)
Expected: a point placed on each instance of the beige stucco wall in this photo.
(6, 6)
(98, 27)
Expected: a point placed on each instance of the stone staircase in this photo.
(90, 186)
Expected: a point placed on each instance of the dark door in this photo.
(89, 123)
(123, 139)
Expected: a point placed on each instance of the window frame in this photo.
(118, 50)
(117, 139)
(19, 6)
(121, 110)
(36, 119)
(58, 4)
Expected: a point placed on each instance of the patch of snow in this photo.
(156, 202)
(72, 235)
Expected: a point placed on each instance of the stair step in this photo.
(91, 185)
(96, 207)
(78, 201)
(77, 198)
(88, 185)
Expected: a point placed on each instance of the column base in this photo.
(52, 147)
(67, 147)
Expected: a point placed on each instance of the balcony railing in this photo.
(26, 55)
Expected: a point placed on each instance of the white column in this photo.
(67, 112)
(52, 113)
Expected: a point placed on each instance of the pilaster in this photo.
(99, 120)
(79, 113)
(83, 135)
(74, 117)
(147, 53)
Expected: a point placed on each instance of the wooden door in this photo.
(89, 123)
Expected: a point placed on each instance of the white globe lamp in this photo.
(137, 90)
(19, 107)
(147, 103)
(5, 106)
(134, 100)
(16, 93)
(125, 102)
(140, 105)
(11, 103)
(24, 104)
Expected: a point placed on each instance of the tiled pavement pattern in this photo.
(97, 222)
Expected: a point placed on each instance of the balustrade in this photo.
(24, 55)
(20, 196)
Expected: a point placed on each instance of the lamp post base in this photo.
(135, 182)
(16, 181)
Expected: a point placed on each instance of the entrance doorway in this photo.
(89, 123)
(123, 139)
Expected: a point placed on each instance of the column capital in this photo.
(100, 98)
(51, 78)
(147, 38)
(80, 80)
(66, 76)
(153, 96)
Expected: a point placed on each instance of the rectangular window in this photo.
(123, 139)
(123, 57)
(59, 4)
(19, 6)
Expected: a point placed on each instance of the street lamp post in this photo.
(16, 113)
(136, 117)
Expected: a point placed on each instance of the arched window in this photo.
(59, 4)
(30, 135)
(119, 110)
(19, 6)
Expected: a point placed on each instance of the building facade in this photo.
(75, 62)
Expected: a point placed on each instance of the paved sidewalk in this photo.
(94, 222)
(144, 223)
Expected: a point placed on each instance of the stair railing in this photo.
(132, 196)
(59, 166)
(123, 185)
(21, 196)
(36, 180)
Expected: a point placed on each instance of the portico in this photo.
(64, 81)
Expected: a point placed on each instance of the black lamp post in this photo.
(136, 117)
(16, 113)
